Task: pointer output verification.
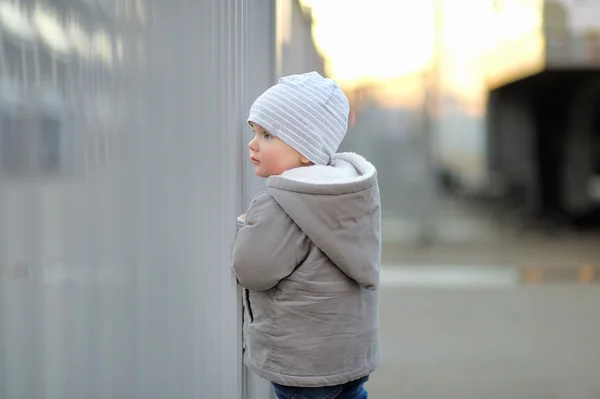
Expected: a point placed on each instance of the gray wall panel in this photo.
(115, 271)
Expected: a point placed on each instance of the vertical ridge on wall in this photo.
(114, 278)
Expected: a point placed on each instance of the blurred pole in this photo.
(431, 119)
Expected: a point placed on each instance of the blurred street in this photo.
(465, 235)
(493, 342)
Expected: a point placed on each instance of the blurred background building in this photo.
(123, 165)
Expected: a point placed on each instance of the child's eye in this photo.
(266, 135)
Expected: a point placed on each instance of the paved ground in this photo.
(486, 337)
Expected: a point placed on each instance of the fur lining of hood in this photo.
(346, 167)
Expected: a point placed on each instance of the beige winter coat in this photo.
(309, 258)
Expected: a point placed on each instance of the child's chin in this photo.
(261, 174)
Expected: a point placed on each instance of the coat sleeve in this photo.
(269, 245)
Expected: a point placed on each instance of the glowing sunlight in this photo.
(375, 40)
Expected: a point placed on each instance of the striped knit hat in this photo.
(308, 112)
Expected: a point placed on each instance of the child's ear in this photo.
(304, 160)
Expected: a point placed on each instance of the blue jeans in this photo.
(351, 390)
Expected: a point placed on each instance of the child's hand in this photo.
(241, 221)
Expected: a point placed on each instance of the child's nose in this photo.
(252, 145)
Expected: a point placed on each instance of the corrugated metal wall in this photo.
(115, 276)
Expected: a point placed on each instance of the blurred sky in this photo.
(381, 39)
(373, 38)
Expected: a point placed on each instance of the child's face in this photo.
(272, 156)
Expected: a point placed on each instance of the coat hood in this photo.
(338, 208)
